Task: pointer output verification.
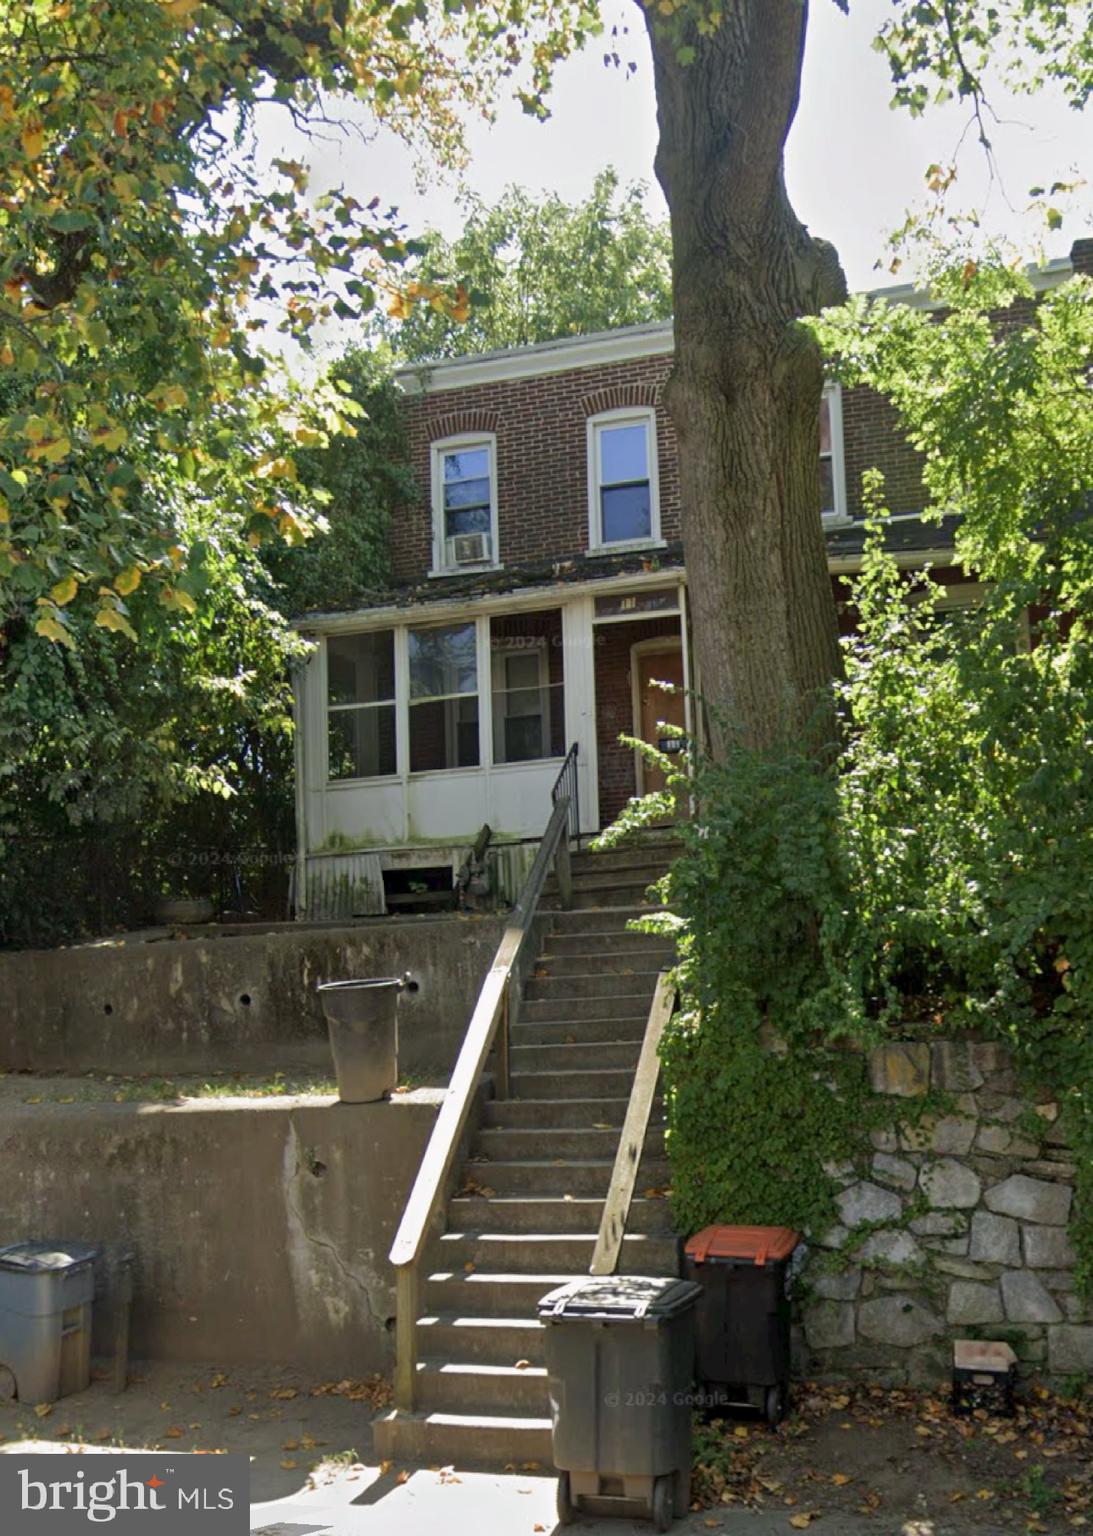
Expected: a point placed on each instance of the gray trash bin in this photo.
(362, 1018)
(620, 1364)
(46, 1291)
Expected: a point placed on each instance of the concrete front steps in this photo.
(528, 1201)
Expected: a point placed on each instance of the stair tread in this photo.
(544, 1237)
(443, 1366)
(463, 1320)
(498, 1277)
(470, 1420)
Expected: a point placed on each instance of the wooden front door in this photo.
(652, 705)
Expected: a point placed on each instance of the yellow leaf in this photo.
(802, 1521)
(840, 1479)
(128, 581)
(7, 356)
(278, 469)
(32, 139)
(180, 10)
(174, 597)
(109, 437)
(288, 1463)
(49, 629)
(125, 186)
(43, 1410)
(172, 1432)
(110, 618)
(64, 591)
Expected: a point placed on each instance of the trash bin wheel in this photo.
(774, 1404)
(564, 1504)
(664, 1502)
(7, 1384)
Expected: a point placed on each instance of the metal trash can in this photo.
(362, 1019)
(620, 1357)
(46, 1291)
(742, 1321)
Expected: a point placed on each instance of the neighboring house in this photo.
(538, 593)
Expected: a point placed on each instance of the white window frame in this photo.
(841, 515)
(450, 701)
(500, 651)
(372, 704)
(627, 416)
(462, 442)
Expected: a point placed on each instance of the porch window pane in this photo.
(444, 734)
(362, 742)
(360, 671)
(443, 661)
(528, 687)
(443, 698)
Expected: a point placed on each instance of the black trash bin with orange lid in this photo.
(742, 1317)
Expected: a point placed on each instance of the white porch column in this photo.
(579, 650)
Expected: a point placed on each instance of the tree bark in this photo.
(745, 389)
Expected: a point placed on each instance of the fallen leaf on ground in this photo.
(840, 1479)
(802, 1521)
(288, 1464)
(43, 1410)
(172, 1432)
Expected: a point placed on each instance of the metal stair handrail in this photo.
(620, 1192)
(493, 1008)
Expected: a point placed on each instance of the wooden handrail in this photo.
(620, 1192)
(495, 1004)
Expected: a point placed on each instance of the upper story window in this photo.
(832, 472)
(623, 502)
(360, 688)
(464, 477)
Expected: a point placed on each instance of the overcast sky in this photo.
(853, 165)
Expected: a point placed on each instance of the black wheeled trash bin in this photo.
(742, 1320)
(620, 1358)
(46, 1291)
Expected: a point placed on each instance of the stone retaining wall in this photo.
(958, 1229)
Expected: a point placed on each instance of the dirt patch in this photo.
(290, 1426)
(901, 1455)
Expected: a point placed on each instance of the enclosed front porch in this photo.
(422, 726)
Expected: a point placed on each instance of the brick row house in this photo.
(538, 593)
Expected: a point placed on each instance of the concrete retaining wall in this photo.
(245, 1003)
(952, 1228)
(261, 1229)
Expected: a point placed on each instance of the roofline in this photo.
(446, 605)
(628, 344)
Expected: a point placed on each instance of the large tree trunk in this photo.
(745, 388)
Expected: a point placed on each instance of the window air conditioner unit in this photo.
(470, 548)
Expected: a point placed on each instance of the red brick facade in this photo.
(542, 457)
(542, 476)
